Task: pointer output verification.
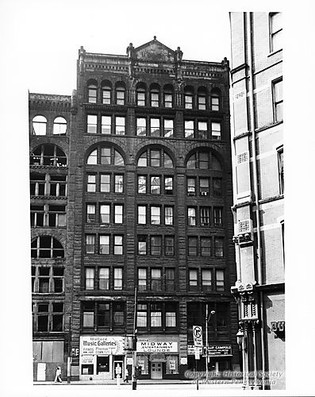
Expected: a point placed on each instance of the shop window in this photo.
(142, 316)
(156, 245)
(120, 94)
(142, 245)
(141, 126)
(156, 315)
(219, 247)
(60, 126)
(275, 28)
(92, 93)
(171, 365)
(120, 127)
(104, 241)
(191, 186)
(90, 243)
(142, 279)
(118, 279)
(92, 124)
(118, 245)
(87, 369)
(155, 215)
(217, 216)
(89, 278)
(277, 91)
(189, 129)
(192, 246)
(103, 279)
(106, 125)
(46, 247)
(169, 246)
(205, 246)
(39, 124)
(191, 216)
(215, 130)
(205, 216)
(106, 93)
(102, 365)
(156, 280)
(168, 128)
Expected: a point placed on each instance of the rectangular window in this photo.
(170, 279)
(193, 279)
(104, 244)
(205, 246)
(168, 100)
(119, 183)
(217, 216)
(103, 278)
(140, 98)
(37, 215)
(202, 130)
(118, 214)
(90, 243)
(219, 247)
(215, 102)
(90, 213)
(192, 246)
(120, 97)
(156, 315)
(217, 187)
(154, 96)
(170, 315)
(57, 316)
(118, 245)
(107, 93)
(281, 170)
(191, 214)
(189, 129)
(155, 158)
(155, 215)
(156, 245)
(155, 185)
(142, 315)
(155, 127)
(275, 21)
(103, 314)
(118, 280)
(105, 183)
(168, 128)
(168, 185)
(88, 314)
(188, 99)
(169, 246)
(104, 213)
(219, 282)
(142, 184)
(118, 314)
(106, 127)
(92, 94)
(142, 214)
(201, 102)
(89, 278)
(120, 125)
(142, 279)
(215, 130)
(191, 186)
(91, 124)
(205, 216)
(156, 280)
(169, 215)
(204, 186)
(141, 126)
(206, 280)
(91, 183)
(105, 156)
(142, 245)
(278, 100)
(56, 216)
(203, 161)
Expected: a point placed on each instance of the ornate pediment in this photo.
(154, 51)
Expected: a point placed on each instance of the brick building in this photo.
(256, 77)
(131, 190)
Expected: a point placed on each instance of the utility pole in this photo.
(207, 340)
(134, 353)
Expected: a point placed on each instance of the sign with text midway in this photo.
(146, 346)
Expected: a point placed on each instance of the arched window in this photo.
(106, 93)
(203, 160)
(140, 95)
(120, 94)
(202, 95)
(105, 156)
(92, 92)
(215, 100)
(155, 158)
(168, 96)
(154, 95)
(39, 125)
(46, 247)
(188, 98)
(60, 126)
(48, 154)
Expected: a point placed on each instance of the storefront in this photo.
(99, 357)
(219, 359)
(158, 357)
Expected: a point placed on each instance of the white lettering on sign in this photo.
(197, 333)
(157, 347)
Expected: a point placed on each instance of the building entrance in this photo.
(156, 371)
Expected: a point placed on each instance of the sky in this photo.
(39, 43)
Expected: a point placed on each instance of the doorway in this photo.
(117, 364)
(156, 370)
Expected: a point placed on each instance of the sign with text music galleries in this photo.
(197, 334)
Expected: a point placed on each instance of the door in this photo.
(117, 368)
(156, 370)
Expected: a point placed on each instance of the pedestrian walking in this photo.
(58, 375)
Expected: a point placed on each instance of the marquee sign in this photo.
(146, 346)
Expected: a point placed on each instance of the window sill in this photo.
(274, 52)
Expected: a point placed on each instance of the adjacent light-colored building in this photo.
(257, 135)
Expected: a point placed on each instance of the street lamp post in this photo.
(207, 341)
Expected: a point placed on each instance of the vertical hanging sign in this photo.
(197, 334)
